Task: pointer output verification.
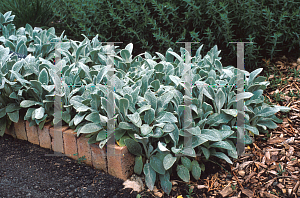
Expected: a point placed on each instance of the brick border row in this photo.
(66, 142)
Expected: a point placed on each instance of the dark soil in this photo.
(26, 171)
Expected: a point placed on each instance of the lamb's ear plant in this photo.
(149, 100)
(10, 88)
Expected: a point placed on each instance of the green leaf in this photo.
(125, 125)
(155, 84)
(218, 65)
(144, 108)
(135, 119)
(92, 139)
(93, 117)
(11, 107)
(90, 128)
(232, 112)
(254, 74)
(243, 95)
(283, 108)
(38, 86)
(175, 79)
(217, 119)
(14, 116)
(176, 55)
(165, 182)
(149, 116)
(205, 152)
(123, 106)
(168, 161)
(197, 140)
(78, 51)
(194, 130)
(138, 166)
(28, 114)
(29, 103)
(254, 130)
(189, 152)
(167, 117)
(196, 170)
(268, 123)
(169, 127)
(44, 77)
(162, 146)
(220, 100)
(222, 156)
(133, 147)
(66, 116)
(267, 112)
(79, 106)
(101, 135)
(129, 47)
(151, 98)
(183, 173)
(222, 144)
(78, 118)
(119, 133)
(150, 176)
(2, 112)
(186, 162)
(145, 129)
(23, 49)
(39, 113)
(100, 75)
(157, 164)
(125, 54)
(122, 140)
(210, 134)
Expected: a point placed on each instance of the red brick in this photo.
(56, 135)
(20, 130)
(99, 157)
(10, 131)
(32, 133)
(121, 163)
(44, 136)
(84, 150)
(70, 143)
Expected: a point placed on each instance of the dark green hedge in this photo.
(152, 25)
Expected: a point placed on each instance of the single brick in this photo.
(44, 136)
(10, 131)
(32, 133)
(56, 135)
(99, 157)
(20, 130)
(70, 143)
(84, 149)
(121, 163)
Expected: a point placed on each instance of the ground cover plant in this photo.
(149, 99)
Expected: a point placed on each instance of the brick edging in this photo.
(65, 141)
